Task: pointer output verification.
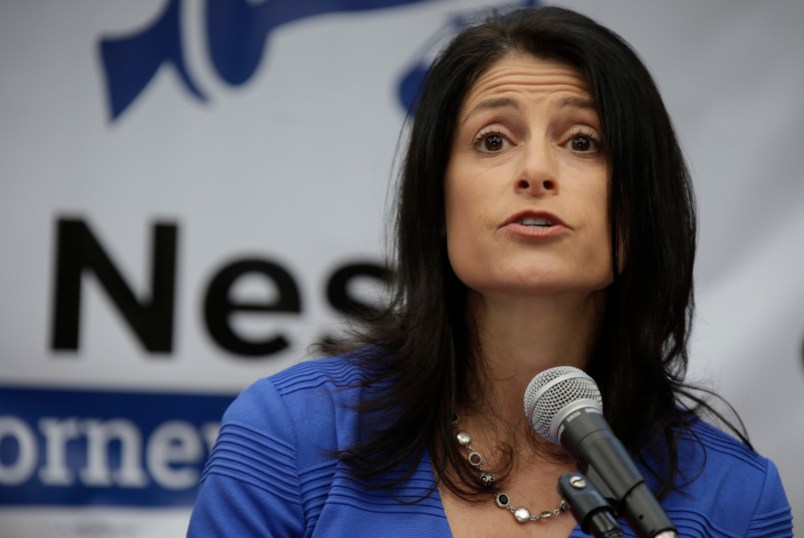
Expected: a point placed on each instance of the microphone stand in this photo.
(592, 512)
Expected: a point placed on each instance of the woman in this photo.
(545, 217)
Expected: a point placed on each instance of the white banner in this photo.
(194, 191)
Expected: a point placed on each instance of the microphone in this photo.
(564, 406)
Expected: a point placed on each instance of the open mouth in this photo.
(536, 222)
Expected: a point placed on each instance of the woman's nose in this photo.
(536, 186)
(537, 176)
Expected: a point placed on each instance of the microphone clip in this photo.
(591, 510)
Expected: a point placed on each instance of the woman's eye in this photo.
(491, 142)
(584, 143)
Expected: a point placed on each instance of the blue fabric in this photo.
(271, 473)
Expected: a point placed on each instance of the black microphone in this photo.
(564, 406)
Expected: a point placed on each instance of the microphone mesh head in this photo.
(550, 394)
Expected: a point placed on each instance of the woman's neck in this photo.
(519, 337)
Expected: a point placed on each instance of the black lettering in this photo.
(338, 288)
(78, 251)
(218, 306)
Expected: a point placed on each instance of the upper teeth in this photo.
(533, 221)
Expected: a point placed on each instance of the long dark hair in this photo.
(420, 349)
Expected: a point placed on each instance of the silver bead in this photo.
(475, 458)
(487, 479)
(522, 514)
(464, 438)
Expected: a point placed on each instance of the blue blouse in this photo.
(272, 473)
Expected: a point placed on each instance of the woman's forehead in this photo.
(521, 75)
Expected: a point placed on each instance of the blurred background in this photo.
(192, 192)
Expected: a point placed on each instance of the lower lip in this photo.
(535, 232)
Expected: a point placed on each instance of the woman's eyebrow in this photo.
(493, 103)
(574, 101)
(490, 103)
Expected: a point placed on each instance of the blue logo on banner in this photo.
(237, 31)
(69, 447)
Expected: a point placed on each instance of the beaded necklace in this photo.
(522, 514)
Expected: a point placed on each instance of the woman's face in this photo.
(526, 184)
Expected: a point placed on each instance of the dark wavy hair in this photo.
(420, 348)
